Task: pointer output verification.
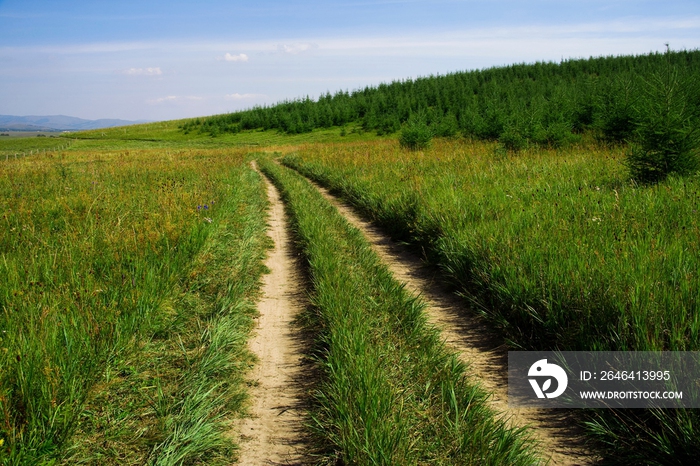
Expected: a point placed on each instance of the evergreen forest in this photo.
(545, 103)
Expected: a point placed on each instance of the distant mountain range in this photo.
(57, 123)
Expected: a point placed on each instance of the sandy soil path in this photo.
(470, 338)
(273, 434)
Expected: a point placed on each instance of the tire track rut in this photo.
(273, 433)
(561, 443)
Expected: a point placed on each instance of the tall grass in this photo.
(92, 248)
(391, 393)
(557, 248)
(212, 326)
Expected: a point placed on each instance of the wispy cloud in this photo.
(156, 71)
(239, 57)
(173, 98)
(238, 96)
(296, 48)
(621, 26)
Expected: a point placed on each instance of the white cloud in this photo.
(238, 96)
(296, 48)
(143, 71)
(173, 98)
(160, 100)
(239, 57)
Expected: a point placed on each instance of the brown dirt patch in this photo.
(274, 432)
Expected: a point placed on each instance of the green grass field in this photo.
(558, 248)
(117, 275)
(124, 321)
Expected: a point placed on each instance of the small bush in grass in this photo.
(388, 126)
(416, 134)
(666, 139)
(512, 139)
(448, 126)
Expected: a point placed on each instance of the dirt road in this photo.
(273, 434)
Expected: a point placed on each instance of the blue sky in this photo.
(160, 60)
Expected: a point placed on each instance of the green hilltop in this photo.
(542, 103)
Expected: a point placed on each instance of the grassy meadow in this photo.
(557, 247)
(130, 269)
(118, 295)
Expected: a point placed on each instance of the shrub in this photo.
(448, 126)
(512, 139)
(416, 134)
(388, 125)
(666, 138)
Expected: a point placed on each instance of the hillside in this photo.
(548, 104)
